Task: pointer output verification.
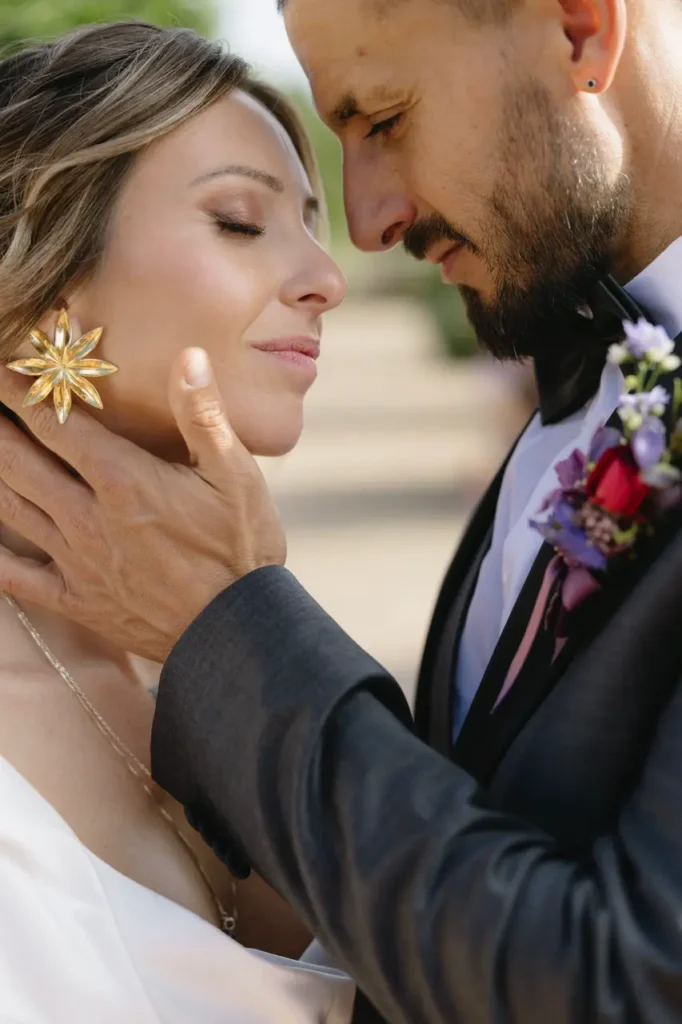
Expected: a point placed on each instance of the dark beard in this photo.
(554, 222)
(526, 322)
(562, 265)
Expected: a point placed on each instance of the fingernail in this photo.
(197, 368)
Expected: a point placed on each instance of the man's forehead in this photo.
(380, 8)
(349, 58)
(343, 24)
(323, 23)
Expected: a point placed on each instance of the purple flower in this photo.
(647, 345)
(551, 500)
(636, 409)
(604, 438)
(648, 444)
(561, 531)
(658, 396)
(644, 401)
(644, 341)
(571, 471)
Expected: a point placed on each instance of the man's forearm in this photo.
(235, 702)
(275, 727)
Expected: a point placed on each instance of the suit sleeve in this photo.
(293, 750)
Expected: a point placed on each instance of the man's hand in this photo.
(135, 547)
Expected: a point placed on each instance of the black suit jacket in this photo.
(531, 874)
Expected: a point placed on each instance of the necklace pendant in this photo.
(228, 923)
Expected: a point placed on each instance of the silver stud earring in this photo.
(592, 83)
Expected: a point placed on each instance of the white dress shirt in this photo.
(530, 477)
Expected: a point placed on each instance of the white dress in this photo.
(82, 944)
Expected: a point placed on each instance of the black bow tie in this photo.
(568, 380)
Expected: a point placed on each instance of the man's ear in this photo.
(597, 31)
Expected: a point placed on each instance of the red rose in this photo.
(615, 485)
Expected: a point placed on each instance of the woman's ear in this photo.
(77, 301)
(48, 322)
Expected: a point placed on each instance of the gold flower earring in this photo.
(63, 366)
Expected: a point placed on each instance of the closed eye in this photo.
(384, 128)
(239, 227)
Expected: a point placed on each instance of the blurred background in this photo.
(407, 422)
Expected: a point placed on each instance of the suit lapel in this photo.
(433, 710)
(473, 750)
(441, 714)
(434, 699)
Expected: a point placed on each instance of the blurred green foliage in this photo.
(43, 19)
(329, 155)
(447, 309)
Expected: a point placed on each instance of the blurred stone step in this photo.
(417, 459)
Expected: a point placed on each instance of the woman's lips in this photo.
(299, 353)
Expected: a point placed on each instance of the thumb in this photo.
(198, 409)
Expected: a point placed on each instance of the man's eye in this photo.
(384, 127)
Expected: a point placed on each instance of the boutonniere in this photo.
(613, 496)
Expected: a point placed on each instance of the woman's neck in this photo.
(72, 643)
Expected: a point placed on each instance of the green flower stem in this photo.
(677, 399)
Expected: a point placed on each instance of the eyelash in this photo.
(384, 128)
(240, 227)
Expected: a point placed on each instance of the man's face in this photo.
(468, 142)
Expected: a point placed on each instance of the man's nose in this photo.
(377, 217)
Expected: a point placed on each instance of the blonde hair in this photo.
(73, 115)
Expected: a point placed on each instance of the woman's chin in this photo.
(270, 437)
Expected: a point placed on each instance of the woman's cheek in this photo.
(232, 302)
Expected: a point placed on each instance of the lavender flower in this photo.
(649, 442)
(644, 338)
(655, 400)
(635, 409)
(645, 343)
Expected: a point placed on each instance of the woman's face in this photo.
(212, 243)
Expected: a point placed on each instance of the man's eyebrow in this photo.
(242, 171)
(311, 203)
(349, 106)
(346, 110)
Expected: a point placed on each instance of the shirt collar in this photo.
(659, 289)
(567, 380)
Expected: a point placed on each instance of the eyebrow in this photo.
(349, 106)
(242, 171)
(346, 110)
(311, 204)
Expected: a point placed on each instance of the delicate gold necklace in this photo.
(228, 922)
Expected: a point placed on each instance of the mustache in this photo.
(424, 234)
